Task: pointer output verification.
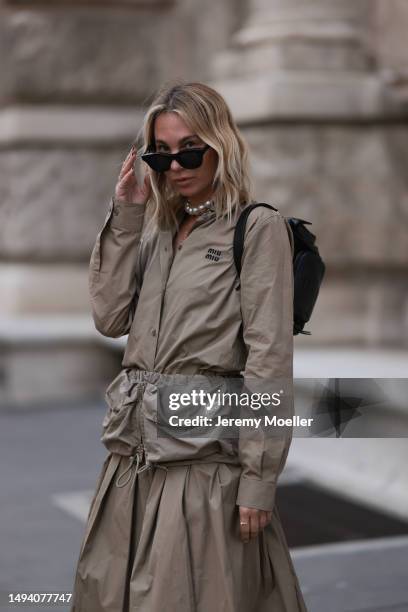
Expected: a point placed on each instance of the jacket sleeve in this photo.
(114, 279)
(267, 317)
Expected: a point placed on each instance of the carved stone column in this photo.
(301, 58)
(328, 144)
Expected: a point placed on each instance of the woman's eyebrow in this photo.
(190, 137)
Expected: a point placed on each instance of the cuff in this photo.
(127, 216)
(256, 494)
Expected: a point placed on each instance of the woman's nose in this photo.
(175, 165)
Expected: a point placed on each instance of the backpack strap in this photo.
(239, 234)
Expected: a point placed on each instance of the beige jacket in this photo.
(191, 314)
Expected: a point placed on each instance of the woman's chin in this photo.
(187, 191)
(190, 191)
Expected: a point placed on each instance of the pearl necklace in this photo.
(196, 210)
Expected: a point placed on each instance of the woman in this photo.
(188, 524)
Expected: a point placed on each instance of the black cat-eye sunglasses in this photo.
(187, 158)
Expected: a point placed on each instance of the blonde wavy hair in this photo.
(205, 111)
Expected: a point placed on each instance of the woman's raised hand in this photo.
(127, 188)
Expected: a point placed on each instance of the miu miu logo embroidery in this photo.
(213, 254)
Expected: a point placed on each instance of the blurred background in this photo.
(319, 89)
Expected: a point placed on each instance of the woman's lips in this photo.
(183, 181)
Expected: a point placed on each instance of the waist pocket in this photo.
(120, 426)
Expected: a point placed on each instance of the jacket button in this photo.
(115, 211)
(153, 332)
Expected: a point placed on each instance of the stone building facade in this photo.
(320, 91)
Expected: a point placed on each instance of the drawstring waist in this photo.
(135, 462)
(138, 375)
(149, 465)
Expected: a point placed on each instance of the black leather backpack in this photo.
(308, 266)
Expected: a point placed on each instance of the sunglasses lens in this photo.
(157, 161)
(190, 159)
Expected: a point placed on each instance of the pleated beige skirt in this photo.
(167, 540)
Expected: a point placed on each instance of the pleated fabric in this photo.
(168, 539)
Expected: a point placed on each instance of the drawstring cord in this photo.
(135, 459)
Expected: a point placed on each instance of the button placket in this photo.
(166, 262)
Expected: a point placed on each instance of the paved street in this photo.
(360, 576)
(44, 454)
(49, 461)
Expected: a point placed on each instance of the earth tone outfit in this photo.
(163, 527)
